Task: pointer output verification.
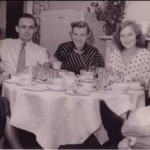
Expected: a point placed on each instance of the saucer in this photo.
(11, 81)
(56, 88)
(43, 81)
(35, 88)
(84, 93)
(21, 83)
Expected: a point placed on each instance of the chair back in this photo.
(4, 111)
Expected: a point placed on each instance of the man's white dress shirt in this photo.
(9, 53)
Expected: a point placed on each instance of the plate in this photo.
(25, 84)
(56, 88)
(136, 88)
(70, 92)
(43, 82)
(35, 88)
(119, 91)
(11, 81)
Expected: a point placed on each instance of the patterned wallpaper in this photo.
(38, 7)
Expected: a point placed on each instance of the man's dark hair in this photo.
(27, 15)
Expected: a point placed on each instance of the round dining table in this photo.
(57, 117)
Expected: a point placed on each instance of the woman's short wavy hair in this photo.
(140, 40)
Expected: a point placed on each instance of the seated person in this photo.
(123, 134)
(130, 57)
(133, 60)
(6, 130)
(77, 55)
(16, 54)
(131, 133)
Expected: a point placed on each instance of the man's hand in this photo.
(3, 77)
(52, 59)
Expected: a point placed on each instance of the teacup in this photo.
(15, 77)
(57, 65)
(62, 73)
(58, 83)
(88, 85)
(26, 78)
(87, 75)
(69, 81)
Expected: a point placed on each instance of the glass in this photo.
(94, 70)
(39, 72)
(57, 65)
(102, 82)
(101, 71)
(82, 72)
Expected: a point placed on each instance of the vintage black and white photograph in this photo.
(75, 74)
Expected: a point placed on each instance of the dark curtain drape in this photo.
(14, 9)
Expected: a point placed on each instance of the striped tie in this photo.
(22, 58)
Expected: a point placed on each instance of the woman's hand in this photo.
(127, 143)
(140, 81)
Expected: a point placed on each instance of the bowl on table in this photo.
(134, 85)
(120, 87)
(57, 84)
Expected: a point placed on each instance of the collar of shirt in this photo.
(82, 50)
(27, 43)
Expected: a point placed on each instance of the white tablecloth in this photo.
(57, 118)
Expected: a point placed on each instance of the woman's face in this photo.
(128, 37)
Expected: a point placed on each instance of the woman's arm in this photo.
(133, 130)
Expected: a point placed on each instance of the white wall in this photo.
(138, 10)
(69, 4)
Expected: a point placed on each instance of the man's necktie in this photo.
(22, 58)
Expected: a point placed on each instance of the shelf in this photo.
(106, 37)
(110, 37)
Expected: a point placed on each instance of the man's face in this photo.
(79, 37)
(26, 28)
